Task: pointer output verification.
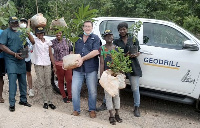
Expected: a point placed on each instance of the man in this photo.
(11, 43)
(125, 42)
(2, 73)
(87, 46)
(23, 24)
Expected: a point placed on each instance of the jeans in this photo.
(91, 82)
(13, 87)
(134, 80)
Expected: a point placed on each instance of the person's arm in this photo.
(7, 50)
(52, 58)
(30, 37)
(101, 65)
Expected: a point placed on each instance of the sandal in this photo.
(1, 100)
(112, 120)
(118, 119)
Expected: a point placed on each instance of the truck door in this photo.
(165, 65)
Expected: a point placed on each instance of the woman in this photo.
(43, 59)
(62, 47)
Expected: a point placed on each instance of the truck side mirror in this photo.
(190, 45)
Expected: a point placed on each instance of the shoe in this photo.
(31, 93)
(45, 106)
(52, 106)
(66, 100)
(102, 107)
(112, 120)
(12, 108)
(92, 114)
(75, 113)
(1, 100)
(136, 112)
(118, 119)
(25, 104)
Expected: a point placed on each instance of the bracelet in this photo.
(15, 55)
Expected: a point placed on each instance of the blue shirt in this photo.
(92, 43)
(12, 40)
(1, 54)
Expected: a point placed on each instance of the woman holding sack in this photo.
(62, 47)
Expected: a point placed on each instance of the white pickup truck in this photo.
(170, 58)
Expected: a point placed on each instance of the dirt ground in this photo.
(155, 113)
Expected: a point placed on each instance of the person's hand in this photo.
(17, 55)
(54, 69)
(80, 62)
(134, 55)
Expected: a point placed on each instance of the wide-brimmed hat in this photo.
(13, 19)
(39, 30)
(23, 20)
(107, 32)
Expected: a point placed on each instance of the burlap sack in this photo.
(109, 83)
(58, 23)
(70, 61)
(121, 78)
(38, 20)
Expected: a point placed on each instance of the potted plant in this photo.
(134, 29)
(23, 36)
(114, 78)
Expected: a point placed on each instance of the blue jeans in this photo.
(134, 80)
(13, 87)
(91, 82)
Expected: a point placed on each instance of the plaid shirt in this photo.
(61, 49)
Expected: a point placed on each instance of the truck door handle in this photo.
(148, 53)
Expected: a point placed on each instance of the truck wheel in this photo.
(54, 83)
(198, 104)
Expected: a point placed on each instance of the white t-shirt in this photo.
(41, 52)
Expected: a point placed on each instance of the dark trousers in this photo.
(13, 87)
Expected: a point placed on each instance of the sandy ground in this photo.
(154, 113)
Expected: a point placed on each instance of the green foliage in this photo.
(134, 29)
(6, 11)
(120, 63)
(74, 27)
(23, 35)
(192, 23)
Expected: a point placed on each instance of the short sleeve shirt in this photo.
(92, 43)
(12, 40)
(41, 52)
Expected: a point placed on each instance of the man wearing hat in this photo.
(23, 24)
(11, 43)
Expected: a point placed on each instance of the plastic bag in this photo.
(58, 23)
(38, 20)
(70, 61)
(109, 83)
(121, 78)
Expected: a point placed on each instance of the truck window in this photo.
(162, 36)
(112, 25)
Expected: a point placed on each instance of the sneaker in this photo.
(31, 93)
(102, 107)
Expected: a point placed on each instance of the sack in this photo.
(121, 78)
(58, 23)
(38, 20)
(70, 61)
(109, 83)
